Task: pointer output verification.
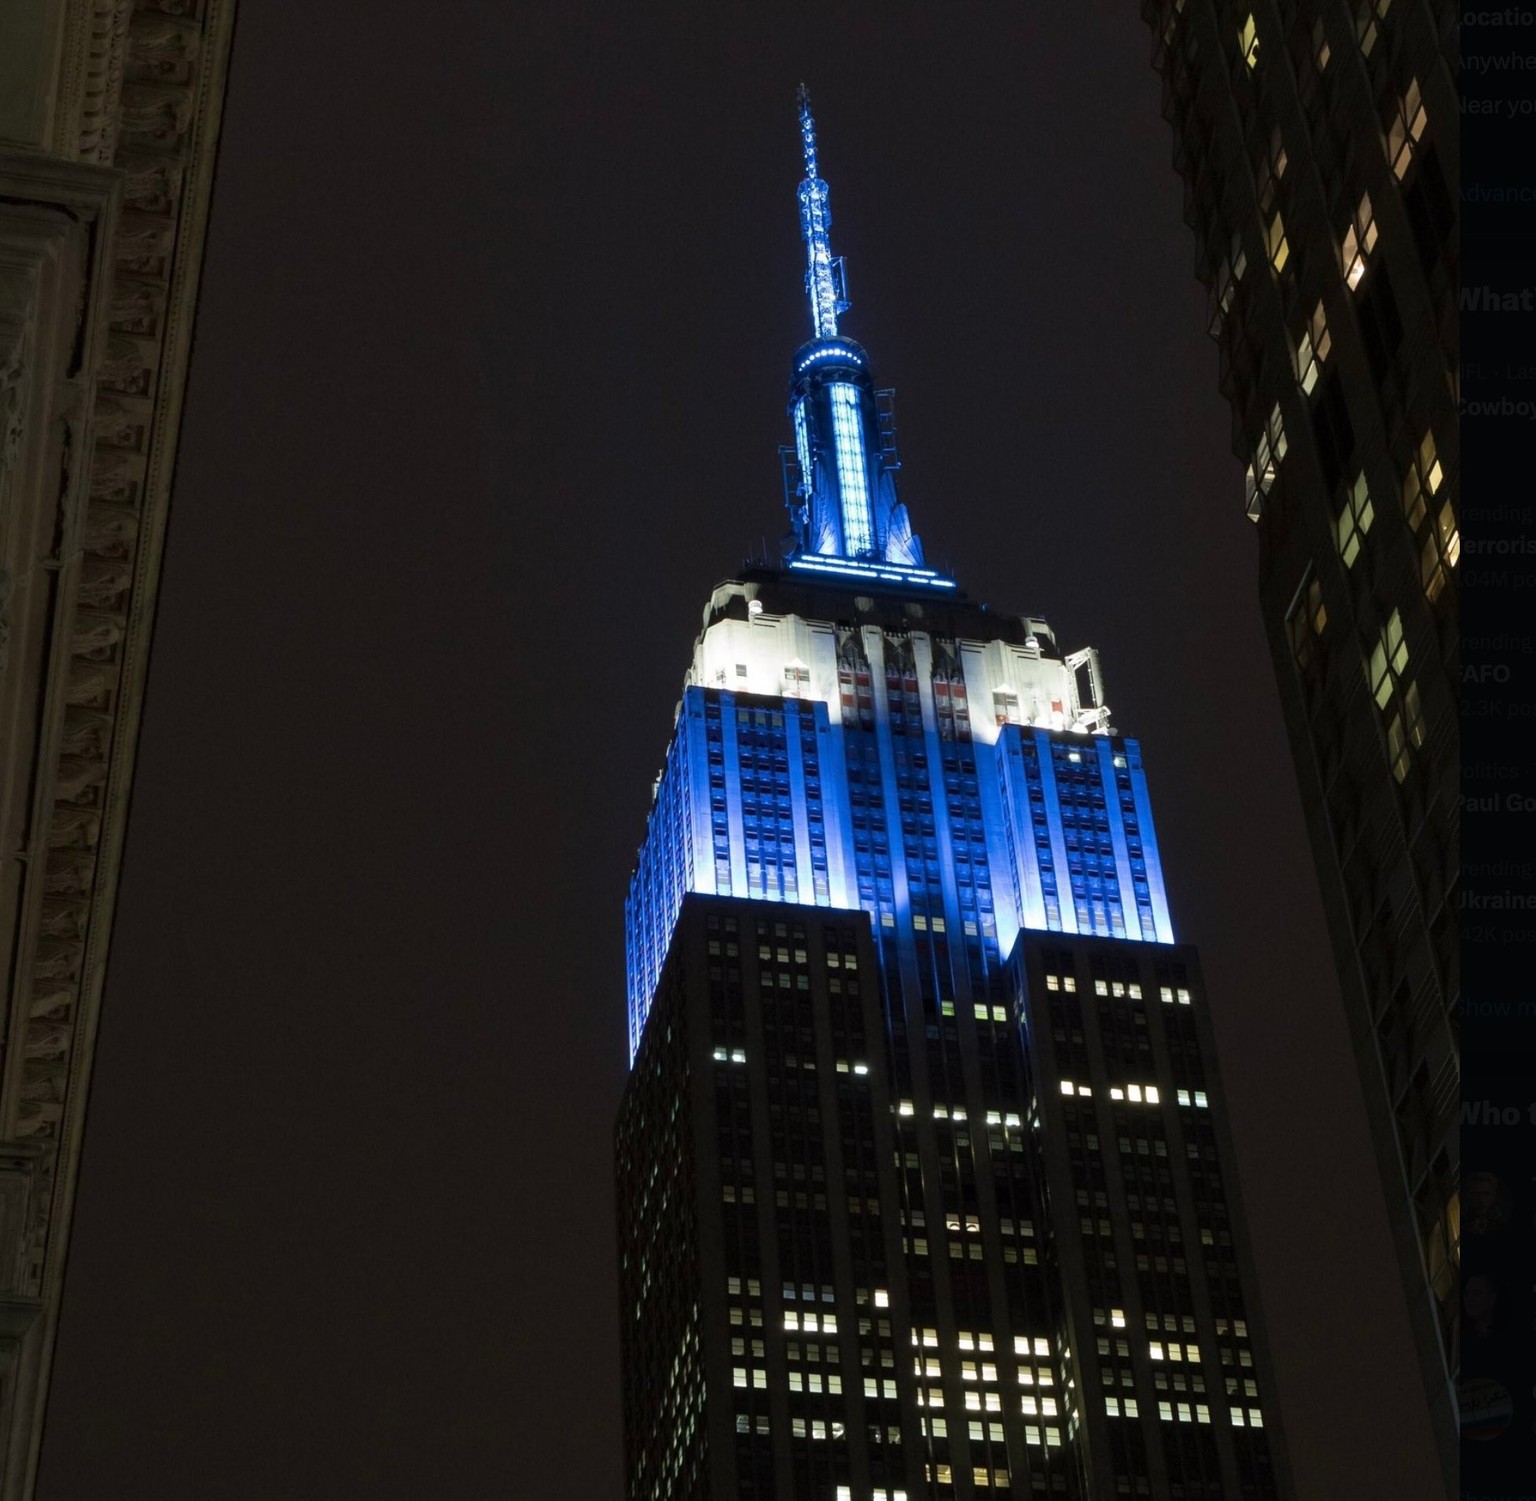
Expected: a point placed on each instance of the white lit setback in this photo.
(803, 698)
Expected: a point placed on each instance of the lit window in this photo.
(853, 492)
(1320, 49)
(1359, 242)
(1366, 17)
(1268, 450)
(1248, 42)
(1406, 128)
(1389, 658)
(1405, 730)
(1312, 349)
(1354, 521)
(1279, 251)
(1422, 481)
(1441, 547)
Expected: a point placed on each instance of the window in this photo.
(1405, 730)
(1405, 128)
(1354, 521)
(1422, 482)
(1441, 549)
(1274, 243)
(1248, 42)
(1366, 17)
(1312, 348)
(1229, 272)
(1359, 242)
(1320, 48)
(853, 492)
(1389, 660)
(1268, 451)
(1442, 1250)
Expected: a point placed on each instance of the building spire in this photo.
(840, 477)
(824, 277)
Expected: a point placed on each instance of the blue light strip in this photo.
(835, 352)
(803, 447)
(852, 482)
(891, 573)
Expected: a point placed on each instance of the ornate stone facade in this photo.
(107, 135)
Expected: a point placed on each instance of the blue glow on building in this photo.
(847, 506)
(823, 273)
(867, 785)
(854, 733)
(848, 439)
(803, 447)
(846, 350)
(878, 573)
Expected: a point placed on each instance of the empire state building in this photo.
(925, 1187)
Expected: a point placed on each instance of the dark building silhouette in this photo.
(1319, 149)
(924, 1187)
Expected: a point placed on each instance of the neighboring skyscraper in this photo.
(1319, 148)
(109, 117)
(923, 1178)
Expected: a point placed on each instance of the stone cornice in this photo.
(140, 87)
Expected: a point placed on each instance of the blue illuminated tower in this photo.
(924, 1180)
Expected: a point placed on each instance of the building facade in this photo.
(1319, 145)
(109, 115)
(924, 1188)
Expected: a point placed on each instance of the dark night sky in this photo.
(489, 378)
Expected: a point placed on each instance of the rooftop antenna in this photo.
(825, 278)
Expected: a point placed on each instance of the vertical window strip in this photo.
(851, 483)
